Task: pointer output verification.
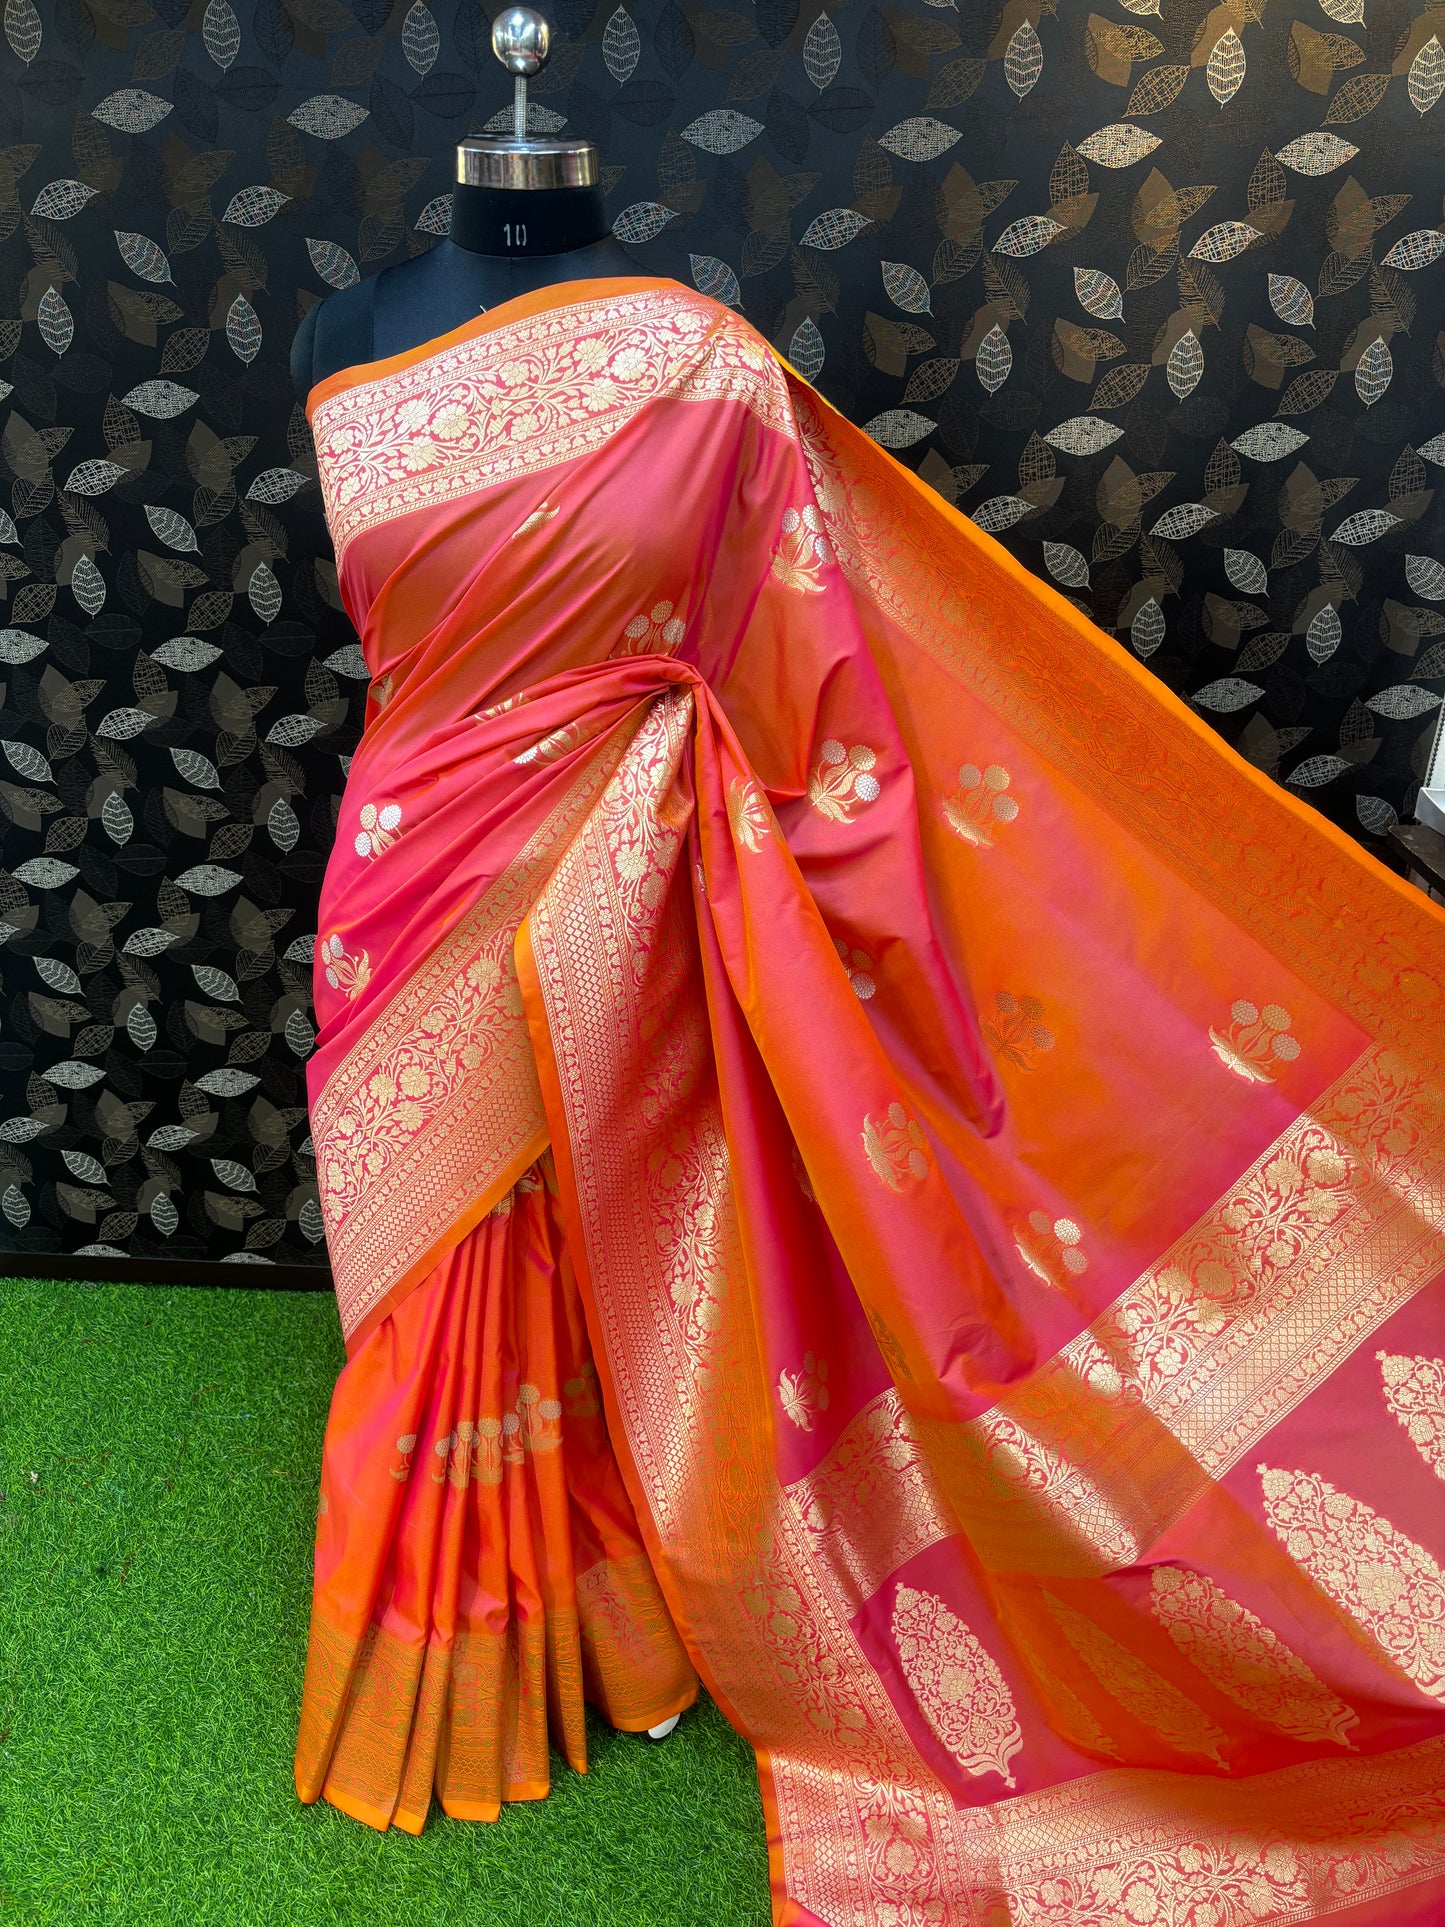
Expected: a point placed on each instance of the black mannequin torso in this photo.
(564, 237)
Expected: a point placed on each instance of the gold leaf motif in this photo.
(1390, 1587)
(1255, 1040)
(1156, 90)
(1151, 1699)
(1248, 1662)
(896, 1147)
(979, 804)
(1415, 1393)
(959, 1688)
(842, 778)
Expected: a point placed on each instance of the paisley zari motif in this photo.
(862, 1125)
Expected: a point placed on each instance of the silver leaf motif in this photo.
(329, 116)
(621, 46)
(642, 221)
(143, 256)
(920, 139)
(131, 110)
(722, 131)
(1083, 435)
(822, 52)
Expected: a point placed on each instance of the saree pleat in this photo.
(479, 1577)
(979, 1307)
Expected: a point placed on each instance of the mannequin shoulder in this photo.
(334, 334)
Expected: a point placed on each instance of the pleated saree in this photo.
(867, 1158)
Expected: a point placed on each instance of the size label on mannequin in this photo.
(516, 233)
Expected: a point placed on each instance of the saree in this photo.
(868, 1159)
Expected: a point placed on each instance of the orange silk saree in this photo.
(865, 1154)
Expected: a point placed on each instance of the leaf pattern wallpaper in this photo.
(1150, 291)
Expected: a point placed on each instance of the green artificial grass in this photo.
(158, 1459)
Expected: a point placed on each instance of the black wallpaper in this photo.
(1151, 292)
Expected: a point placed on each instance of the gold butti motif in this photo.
(804, 1393)
(1415, 1393)
(802, 553)
(981, 802)
(538, 519)
(657, 633)
(748, 813)
(342, 970)
(380, 827)
(1050, 1248)
(1152, 1700)
(1257, 1041)
(960, 1690)
(896, 1147)
(1016, 1030)
(1389, 1586)
(1240, 1655)
(859, 966)
(841, 779)
(516, 400)
(400, 1467)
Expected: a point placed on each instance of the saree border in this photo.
(528, 395)
(435, 1110)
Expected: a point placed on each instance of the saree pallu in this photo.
(981, 1140)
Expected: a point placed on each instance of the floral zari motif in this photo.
(380, 825)
(980, 804)
(841, 779)
(1051, 1248)
(1390, 1586)
(1240, 1655)
(960, 1690)
(1016, 1030)
(803, 1392)
(1415, 1393)
(343, 971)
(1151, 1699)
(897, 1148)
(658, 633)
(1256, 1042)
(802, 553)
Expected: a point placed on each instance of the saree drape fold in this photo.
(990, 1172)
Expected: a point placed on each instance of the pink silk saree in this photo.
(785, 976)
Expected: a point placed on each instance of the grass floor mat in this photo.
(158, 1463)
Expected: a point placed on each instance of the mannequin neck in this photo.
(524, 222)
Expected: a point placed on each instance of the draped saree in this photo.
(866, 1157)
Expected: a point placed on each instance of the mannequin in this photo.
(526, 214)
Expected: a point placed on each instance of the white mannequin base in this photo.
(663, 1728)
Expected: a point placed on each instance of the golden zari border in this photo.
(525, 397)
(869, 1834)
(1334, 1227)
(436, 1109)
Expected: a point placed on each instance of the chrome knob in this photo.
(521, 40)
